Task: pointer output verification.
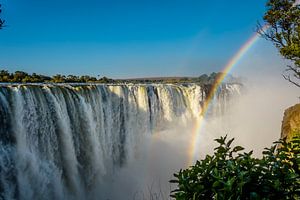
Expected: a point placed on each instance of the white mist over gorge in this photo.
(255, 118)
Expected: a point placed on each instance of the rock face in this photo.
(291, 122)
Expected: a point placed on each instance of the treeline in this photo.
(23, 77)
(202, 79)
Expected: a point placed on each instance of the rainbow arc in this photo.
(228, 67)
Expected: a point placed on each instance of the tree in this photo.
(282, 28)
(1, 20)
(19, 76)
(4, 76)
(59, 78)
(203, 78)
(104, 79)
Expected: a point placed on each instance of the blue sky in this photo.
(119, 38)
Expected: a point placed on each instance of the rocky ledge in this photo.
(291, 122)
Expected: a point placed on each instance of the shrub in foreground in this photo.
(230, 174)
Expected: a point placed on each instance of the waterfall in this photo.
(63, 141)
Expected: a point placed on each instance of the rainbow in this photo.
(228, 67)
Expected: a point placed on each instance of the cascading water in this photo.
(65, 141)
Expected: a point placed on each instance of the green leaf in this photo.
(238, 148)
(229, 142)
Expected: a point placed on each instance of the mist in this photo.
(158, 157)
(253, 119)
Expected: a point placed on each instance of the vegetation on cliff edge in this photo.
(23, 77)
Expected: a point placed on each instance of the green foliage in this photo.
(23, 77)
(283, 19)
(230, 174)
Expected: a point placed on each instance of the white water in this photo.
(94, 141)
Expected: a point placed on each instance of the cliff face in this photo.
(291, 122)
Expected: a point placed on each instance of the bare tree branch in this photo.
(1, 20)
(288, 78)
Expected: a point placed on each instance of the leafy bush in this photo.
(229, 174)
